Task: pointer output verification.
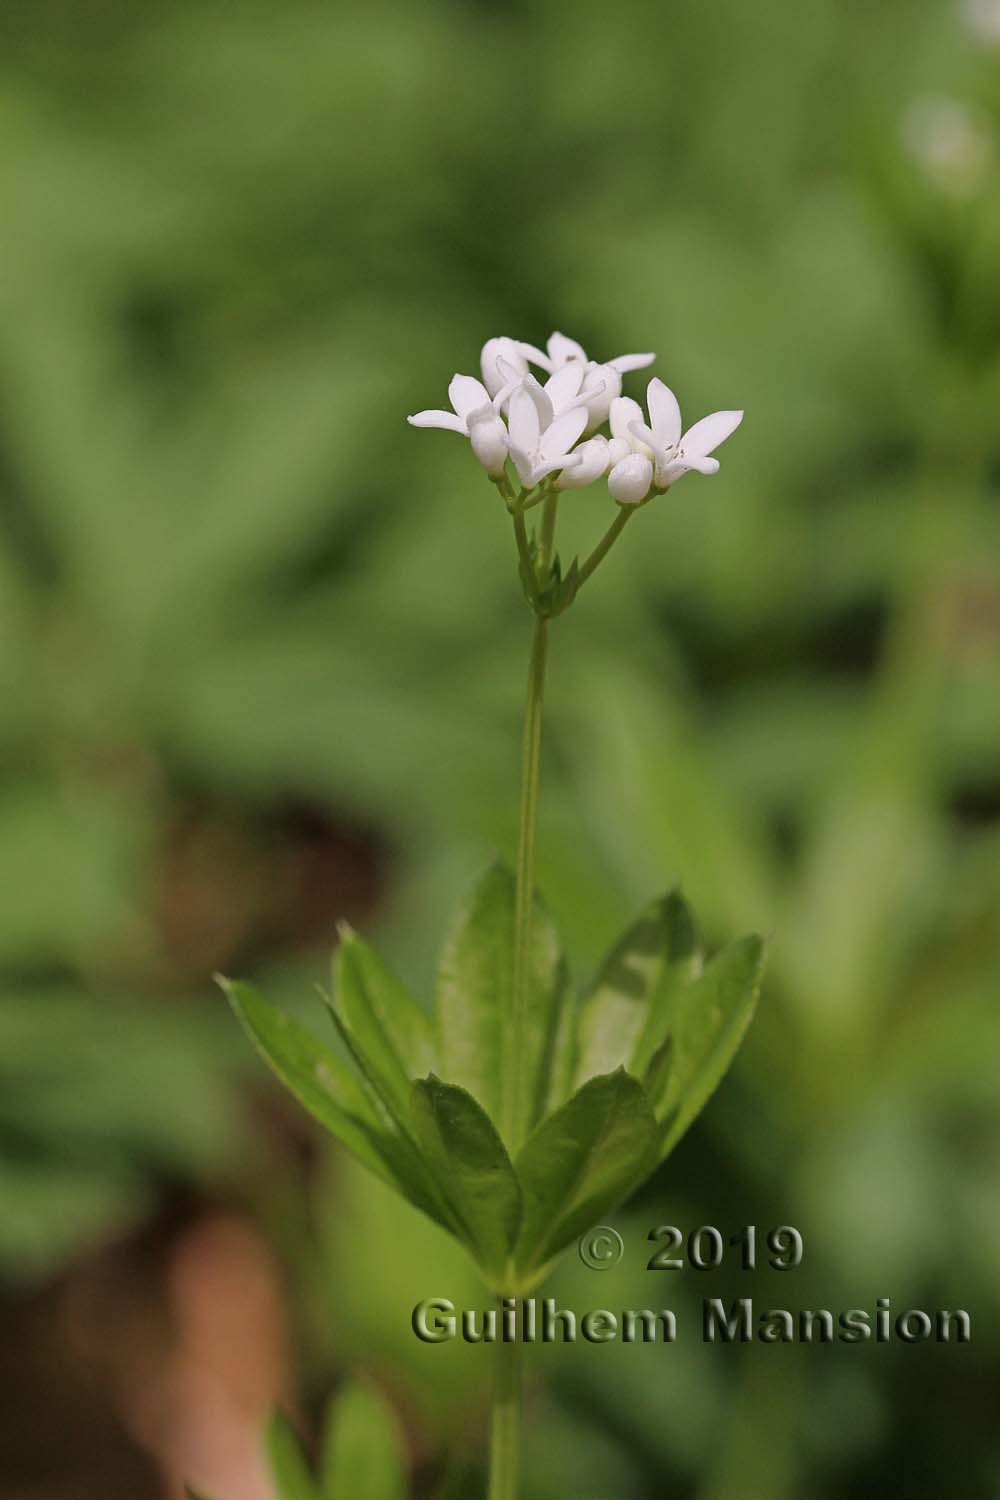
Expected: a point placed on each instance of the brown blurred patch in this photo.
(233, 886)
(151, 1363)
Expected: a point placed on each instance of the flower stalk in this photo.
(505, 1423)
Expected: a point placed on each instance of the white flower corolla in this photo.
(655, 453)
(540, 439)
(593, 462)
(495, 354)
(476, 417)
(604, 380)
(561, 351)
(572, 385)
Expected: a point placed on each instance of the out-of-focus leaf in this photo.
(362, 1452)
(288, 1462)
(580, 1163)
(708, 1021)
(658, 951)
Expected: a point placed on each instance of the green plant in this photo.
(515, 1119)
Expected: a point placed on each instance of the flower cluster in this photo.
(548, 431)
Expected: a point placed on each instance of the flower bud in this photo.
(630, 479)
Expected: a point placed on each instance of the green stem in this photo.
(505, 1423)
(605, 545)
(546, 535)
(524, 890)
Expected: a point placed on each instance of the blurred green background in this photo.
(261, 660)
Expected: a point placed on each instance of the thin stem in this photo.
(524, 890)
(547, 533)
(505, 1423)
(524, 553)
(605, 545)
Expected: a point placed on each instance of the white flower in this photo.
(646, 454)
(511, 353)
(540, 439)
(604, 381)
(476, 417)
(572, 385)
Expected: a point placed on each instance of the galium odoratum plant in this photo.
(519, 1116)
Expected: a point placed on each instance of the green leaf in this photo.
(619, 1020)
(382, 1024)
(362, 1452)
(324, 1084)
(287, 1461)
(474, 990)
(582, 1162)
(710, 1018)
(472, 1167)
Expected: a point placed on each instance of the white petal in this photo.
(618, 448)
(605, 385)
(669, 468)
(523, 465)
(702, 465)
(529, 351)
(562, 434)
(629, 481)
(445, 419)
(643, 440)
(562, 350)
(522, 420)
(549, 466)
(540, 396)
(488, 437)
(707, 434)
(467, 394)
(623, 411)
(623, 363)
(664, 413)
(592, 461)
(563, 387)
(494, 350)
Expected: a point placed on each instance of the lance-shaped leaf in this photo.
(362, 1453)
(471, 1164)
(709, 1020)
(384, 1026)
(657, 954)
(325, 1085)
(474, 998)
(287, 1461)
(581, 1163)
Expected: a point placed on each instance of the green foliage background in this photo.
(262, 648)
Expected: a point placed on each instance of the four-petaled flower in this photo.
(476, 417)
(540, 441)
(605, 380)
(655, 454)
